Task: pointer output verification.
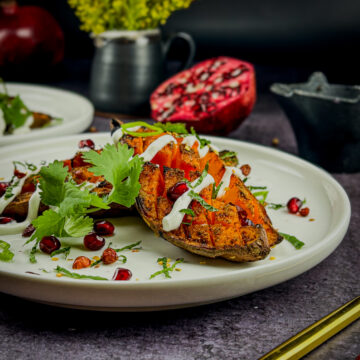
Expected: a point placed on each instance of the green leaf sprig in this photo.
(201, 201)
(73, 275)
(5, 255)
(64, 250)
(203, 142)
(293, 240)
(166, 269)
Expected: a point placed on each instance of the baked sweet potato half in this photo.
(238, 230)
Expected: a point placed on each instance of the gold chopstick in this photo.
(314, 335)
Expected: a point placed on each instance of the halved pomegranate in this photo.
(214, 96)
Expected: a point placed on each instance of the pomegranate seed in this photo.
(48, 244)
(243, 216)
(177, 190)
(109, 256)
(104, 227)
(304, 211)
(294, 205)
(93, 241)
(81, 262)
(29, 230)
(5, 220)
(30, 187)
(19, 174)
(122, 274)
(88, 143)
(3, 187)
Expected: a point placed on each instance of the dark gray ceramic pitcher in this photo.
(128, 66)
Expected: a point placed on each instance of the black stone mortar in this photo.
(326, 121)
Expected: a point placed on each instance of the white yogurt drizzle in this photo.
(229, 170)
(174, 219)
(26, 127)
(118, 134)
(156, 146)
(15, 227)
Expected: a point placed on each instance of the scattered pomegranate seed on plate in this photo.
(93, 241)
(122, 274)
(104, 227)
(49, 244)
(294, 205)
(81, 262)
(29, 230)
(109, 256)
(304, 211)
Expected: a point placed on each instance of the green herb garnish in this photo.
(202, 176)
(228, 154)
(201, 201)
(293, 240)
(203, 142)
(8, 193)
(262, 194)
(128, 247)
(65, 250)
(216, 190)
(188, 212)
(275, 206)
(65, 272)
(165, 270)
(245, 180)
(251, 188)
(96, 262)
(178, 128)
(5, 255)
(124, 258)
(125, 127)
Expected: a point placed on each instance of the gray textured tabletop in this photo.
(241, 328)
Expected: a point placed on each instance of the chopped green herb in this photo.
(203, 142)
(5, 255)
(216, 190)
(96, 263)
(293, 240)
(178, 128)
(188, 212)
(165, 270)
(228, 154)
(251, 188)
(275, 206)
(8, 193)
(32, 257)
(128, 247)
(125, 127)
(245, 180)
(65, 272)
(65, 251)
(262, 194)
(201, 201)
(202, 176)
(124, 258)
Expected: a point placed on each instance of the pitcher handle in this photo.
(191, 44)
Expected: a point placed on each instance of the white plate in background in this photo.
(76, 111)
(198, 282)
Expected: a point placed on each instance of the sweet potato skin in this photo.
(203, 236)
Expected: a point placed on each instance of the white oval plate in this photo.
(76, 111)
(200, 280)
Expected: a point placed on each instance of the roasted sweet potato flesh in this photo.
(187, 160)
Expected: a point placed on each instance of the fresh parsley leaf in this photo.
(120, 169)
(5, 255)
(178, 128)
(165, 270)
(78, 225)
(64, 250)
(65, 272)
(201, 201)
(293, 240)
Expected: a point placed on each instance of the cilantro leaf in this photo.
(78, 225)
(118, 167)
(52, 183)
(178, 128)
(14, 111)
(293, 240)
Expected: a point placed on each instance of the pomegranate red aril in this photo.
(233, 82)
(5, 220)
(19, 174)
(29, 230)
(48, 244)
(177, 190)
(242, 214)
(81, 262)
(3, 186)
(104, 227)
(294, 205)
(122, 274)
(304, 211)
(30, 187)
(88, 143)
(109, 256)
(93, 241)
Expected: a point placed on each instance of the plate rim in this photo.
(81, 123)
